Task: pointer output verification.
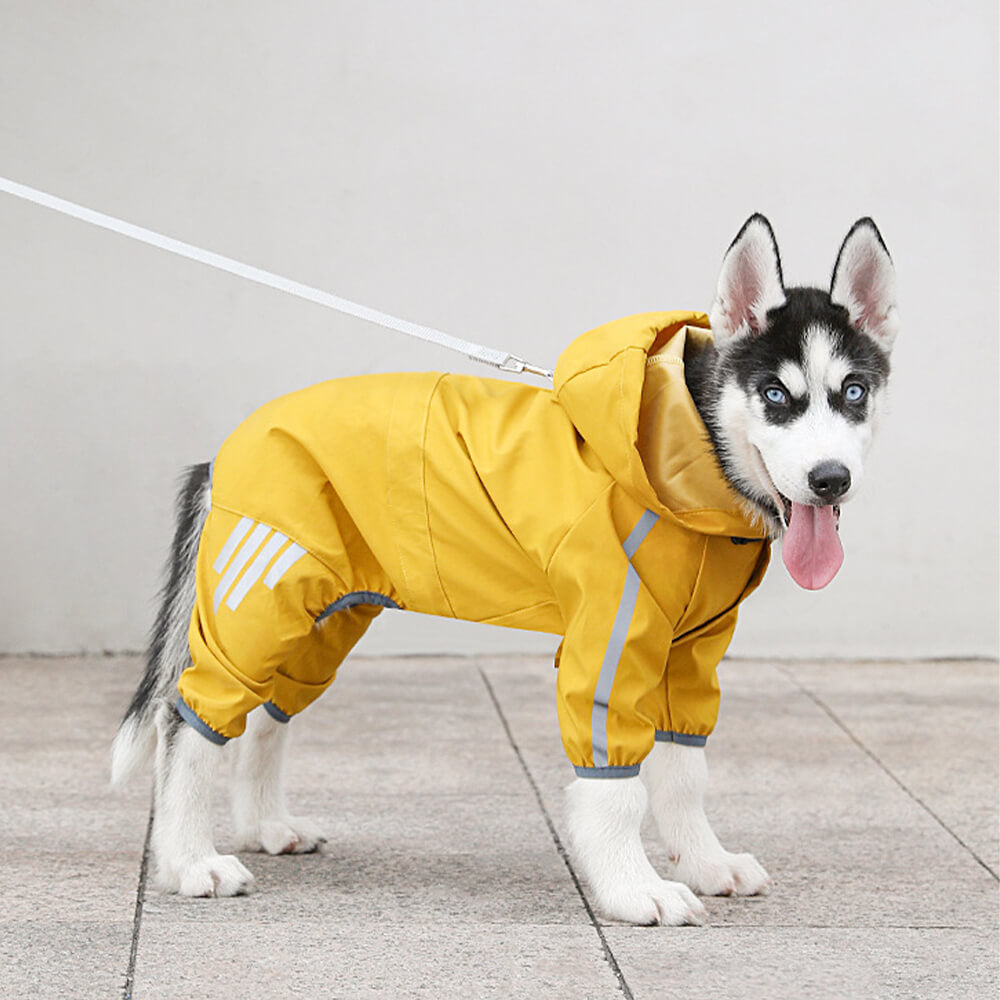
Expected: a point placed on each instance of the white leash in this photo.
(487, 355)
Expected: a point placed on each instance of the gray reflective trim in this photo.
(355, 598)
(639, 532)
(684, 739)
(629, 771)
(188, 715)
(275, 712)
(609, 666)
(616, 642)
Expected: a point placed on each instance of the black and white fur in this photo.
(808, 342)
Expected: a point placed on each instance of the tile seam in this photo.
(609, 955)
(859, 743)
(140, 897)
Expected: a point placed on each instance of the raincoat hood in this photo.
(622, 385)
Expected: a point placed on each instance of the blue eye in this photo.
(854, 392)
(775, 394)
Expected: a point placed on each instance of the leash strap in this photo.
(486, 355)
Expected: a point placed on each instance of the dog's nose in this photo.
(830, 480)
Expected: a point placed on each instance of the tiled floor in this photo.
(868, 790)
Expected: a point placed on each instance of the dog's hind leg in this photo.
(676, 777)
(260, 815)
(184, 854)
(604, 817)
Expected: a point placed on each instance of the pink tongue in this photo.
(811, 547)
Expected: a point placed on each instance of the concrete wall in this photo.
(513, 173)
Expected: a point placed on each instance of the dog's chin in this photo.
(760, 510)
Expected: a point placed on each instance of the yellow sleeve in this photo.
(614, 653)
(691, 705)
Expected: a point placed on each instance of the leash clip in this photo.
(516, 366)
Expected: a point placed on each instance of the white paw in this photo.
(653, 901)
(215, 876)
(721, 873)
(290, 835)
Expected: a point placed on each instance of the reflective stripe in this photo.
(234, 539)
(283, 564)
(256, 570)
(609, 666)
(639, 532)
(245, 554)
(616, 642)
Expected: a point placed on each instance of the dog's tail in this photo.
(167, 655)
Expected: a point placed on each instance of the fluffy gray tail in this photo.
(168, 654)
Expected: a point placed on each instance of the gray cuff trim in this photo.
(628, 771)
(195, 723)
(355, 598)
(275, 712)
(684, 739)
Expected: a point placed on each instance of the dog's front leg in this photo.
(184, 855)
(604, 816)
(676, 777)
(260, 814)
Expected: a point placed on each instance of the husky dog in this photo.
(789, 393)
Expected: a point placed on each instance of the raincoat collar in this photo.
(599, 381)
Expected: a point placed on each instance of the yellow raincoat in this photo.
(595, 510)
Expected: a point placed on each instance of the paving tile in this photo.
(935, 725)
(418, 858)
(62, 959)
(71, 849)
(441, 879)
(398, 725)
(789, 963)
(437, 961)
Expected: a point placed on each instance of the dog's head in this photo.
(800, 382)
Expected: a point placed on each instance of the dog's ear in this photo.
(750, 283)
(864, 283)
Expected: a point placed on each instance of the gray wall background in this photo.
(512, 173)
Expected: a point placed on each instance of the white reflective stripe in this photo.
(245, 554)
(256, 570)
(283, 564)
(232, 541)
